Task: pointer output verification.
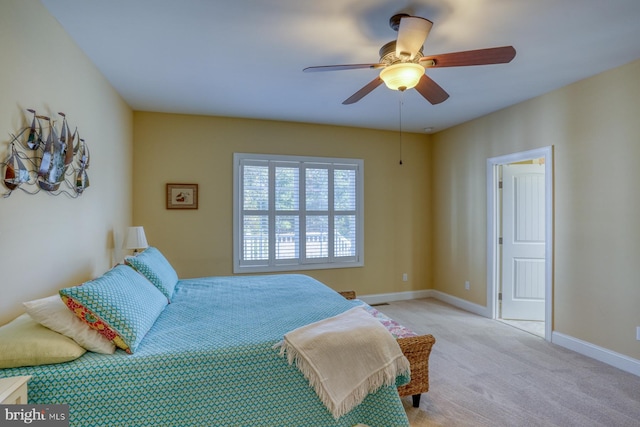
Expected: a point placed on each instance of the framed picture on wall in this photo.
(182, 196)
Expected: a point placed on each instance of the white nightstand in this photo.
(13, 390)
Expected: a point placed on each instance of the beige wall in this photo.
(594, 127)
(197, 149)
(46, 242)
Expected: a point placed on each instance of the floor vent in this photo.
(380, 303)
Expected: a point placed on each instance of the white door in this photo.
(523, 242)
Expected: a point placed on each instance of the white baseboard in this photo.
(396, 296)
(480, 310)
(602, 354)
(427, 293)
(617, 360)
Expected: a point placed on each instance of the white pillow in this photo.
(52, 313)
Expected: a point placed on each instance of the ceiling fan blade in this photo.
(493, 55)
(412, 33)
(431, 90)
(368, 88)
(342, 67)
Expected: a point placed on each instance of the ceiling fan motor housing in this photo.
(388, 55)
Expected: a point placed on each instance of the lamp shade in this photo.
(402, 76)
(135, 239)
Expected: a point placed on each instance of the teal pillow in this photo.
(121, 304)
(155, 267)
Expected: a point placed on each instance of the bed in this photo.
(208, 360)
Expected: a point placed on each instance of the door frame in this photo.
(493, 229)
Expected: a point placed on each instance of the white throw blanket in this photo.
(345, 358)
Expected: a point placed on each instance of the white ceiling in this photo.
(244, 58)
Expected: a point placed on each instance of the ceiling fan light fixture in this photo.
(402, 76)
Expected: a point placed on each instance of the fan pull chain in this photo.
(400, 115)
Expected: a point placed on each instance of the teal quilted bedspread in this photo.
(208, 361)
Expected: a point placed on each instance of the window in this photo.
(296, 213)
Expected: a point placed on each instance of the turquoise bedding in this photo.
(208, 361)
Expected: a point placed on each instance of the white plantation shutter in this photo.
(344, 205)
(294, 213)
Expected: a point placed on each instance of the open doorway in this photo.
(519, 231)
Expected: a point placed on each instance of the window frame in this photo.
(300, 263)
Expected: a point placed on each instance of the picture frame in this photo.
(182, 196)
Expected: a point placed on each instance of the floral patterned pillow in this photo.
(121, 305)
(52, 313)
(396, 329)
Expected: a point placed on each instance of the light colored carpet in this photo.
(533, 327)
(486, 373)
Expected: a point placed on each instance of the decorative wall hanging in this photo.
(182, 196)
(42, 158)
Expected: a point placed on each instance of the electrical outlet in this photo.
(467, 285)
(638, 333)
(405, 277)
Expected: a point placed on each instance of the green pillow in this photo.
(121, 304)
(155, 267)
(25, 342)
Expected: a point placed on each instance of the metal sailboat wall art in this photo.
(41, 158)
(16, 172)
(82, 179)
(35, 132)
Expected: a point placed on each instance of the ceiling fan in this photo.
(403, 65)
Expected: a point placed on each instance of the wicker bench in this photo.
(416, 349)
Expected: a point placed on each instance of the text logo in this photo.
(34, 415)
